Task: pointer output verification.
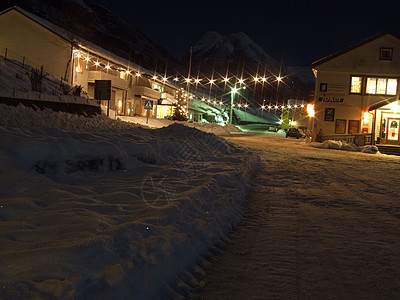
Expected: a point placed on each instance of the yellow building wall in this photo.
(336, 73)
(41, 47)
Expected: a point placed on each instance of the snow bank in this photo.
(346, 146)
(103, 209)
(215, 128)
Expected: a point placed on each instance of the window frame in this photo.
(376, 86)
(362, 85)
(385, 50)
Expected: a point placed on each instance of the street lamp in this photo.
(234, 90)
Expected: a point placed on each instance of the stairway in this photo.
(390, 150)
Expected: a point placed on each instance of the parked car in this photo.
(295, 132)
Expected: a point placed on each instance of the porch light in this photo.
(366, 116)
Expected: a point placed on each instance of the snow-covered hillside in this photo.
(104, 209)
(232, 47)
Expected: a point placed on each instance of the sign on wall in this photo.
(331, 99)
(102, 89)
(329, 114)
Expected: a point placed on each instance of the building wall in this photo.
(24, 37)
(336, 109)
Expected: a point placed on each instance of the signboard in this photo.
(148, 104)
(102, 89)
(329, 114)
(331, 99)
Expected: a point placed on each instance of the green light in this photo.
(235, 90)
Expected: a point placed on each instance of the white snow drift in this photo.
(104, 209)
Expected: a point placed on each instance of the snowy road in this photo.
(319, 224)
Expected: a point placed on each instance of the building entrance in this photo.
(393, 131)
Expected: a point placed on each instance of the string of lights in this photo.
(107, 66)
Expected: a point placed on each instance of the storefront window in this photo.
(355, 85)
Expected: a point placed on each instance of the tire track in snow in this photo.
(312, 229)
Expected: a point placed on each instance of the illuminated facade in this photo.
(81, 63)
(357, 90)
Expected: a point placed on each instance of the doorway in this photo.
(393, 131)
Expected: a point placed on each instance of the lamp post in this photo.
(233, 92)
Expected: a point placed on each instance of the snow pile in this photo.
(114, 212)
(22, 116)
(345, 146)
(15, 83)
(158, 123)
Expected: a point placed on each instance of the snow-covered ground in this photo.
(104, 209)
(318, 224)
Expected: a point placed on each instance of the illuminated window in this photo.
(391, 87)
(158, 87)
(381, 86)
(355, 87)
(371, 86)
(122, 74)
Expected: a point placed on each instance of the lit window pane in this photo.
(355, 85)
(381, 86)
(392, 87)
(371, 86)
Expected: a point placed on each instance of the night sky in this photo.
(292, 32)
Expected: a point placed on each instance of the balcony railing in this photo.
(358, 139)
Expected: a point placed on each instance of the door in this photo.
(393, 131)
